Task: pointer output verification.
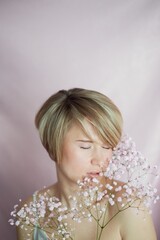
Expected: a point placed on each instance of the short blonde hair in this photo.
(66, 107)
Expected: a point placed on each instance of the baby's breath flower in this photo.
(127, 174)
(119, 199)
(111, 201)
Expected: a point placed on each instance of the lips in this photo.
(93, 174)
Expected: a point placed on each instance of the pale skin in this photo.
(83, 156)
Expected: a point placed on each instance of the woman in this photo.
(79, 128)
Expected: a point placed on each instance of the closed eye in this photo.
(107, 148)
(85, 147)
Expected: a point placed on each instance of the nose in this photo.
(99, 159)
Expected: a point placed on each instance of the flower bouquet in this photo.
(123, 185)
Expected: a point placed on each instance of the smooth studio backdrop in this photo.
(110, 46)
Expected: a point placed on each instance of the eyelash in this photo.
(107, 148)
(85, 147)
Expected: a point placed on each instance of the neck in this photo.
(64, 189)
(67, 187)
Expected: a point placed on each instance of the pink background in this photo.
(47, 45)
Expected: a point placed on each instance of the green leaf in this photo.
(39, 234)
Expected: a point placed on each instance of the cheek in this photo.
(110, 155)
(71, 156)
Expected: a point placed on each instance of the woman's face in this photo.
(82, 156)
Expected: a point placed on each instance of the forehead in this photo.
(78, 132)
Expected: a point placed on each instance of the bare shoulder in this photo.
(30, 199)
(132, 217)
(133, 221)
(26, 228)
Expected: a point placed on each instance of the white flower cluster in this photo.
(130, 166)
(121, 186)
(46, 213)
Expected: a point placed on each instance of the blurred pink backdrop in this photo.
(110, 46)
